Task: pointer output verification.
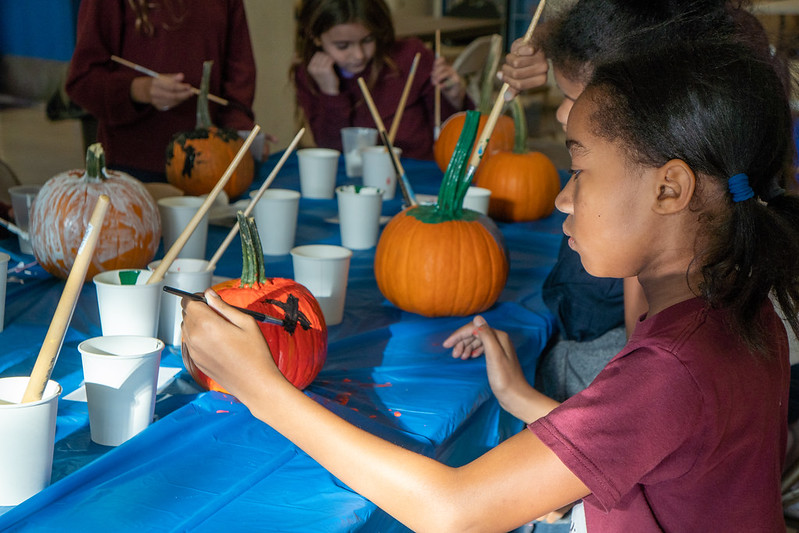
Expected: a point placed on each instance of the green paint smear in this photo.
(129, 277)
(431, 214)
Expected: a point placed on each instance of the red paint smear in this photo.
(372, 416)
(220, 411)
(397, 414)
(347, 380)
(343, 398)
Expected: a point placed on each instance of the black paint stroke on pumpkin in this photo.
(188, 162)
(293, 315)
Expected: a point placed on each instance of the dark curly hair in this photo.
(722, 110)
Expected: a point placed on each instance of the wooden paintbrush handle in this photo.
(180, 242)
(66, 305)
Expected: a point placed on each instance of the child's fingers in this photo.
(232, 315)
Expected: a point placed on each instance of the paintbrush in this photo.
(260, 317)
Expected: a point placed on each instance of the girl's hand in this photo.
(321, 68)
(502, 365)
(524, 68)
(162, 93)
(447, 79)
(228, 346)
(464, 344)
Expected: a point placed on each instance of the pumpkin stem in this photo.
(95, 161)
(451, 193)
(253, 271)
(203, 114)
(489, 75)
(520, 123)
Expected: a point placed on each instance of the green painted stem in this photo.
(451, 193)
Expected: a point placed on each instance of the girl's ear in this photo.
(675, 184)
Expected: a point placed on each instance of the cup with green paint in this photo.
(128, 304)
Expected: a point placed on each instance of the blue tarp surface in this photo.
(206, 464)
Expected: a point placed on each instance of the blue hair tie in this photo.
(739, 188)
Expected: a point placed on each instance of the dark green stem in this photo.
(95, 161)
(203, 114)
(252, 256)
(520, 123)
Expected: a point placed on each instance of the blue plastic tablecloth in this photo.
(206, 464)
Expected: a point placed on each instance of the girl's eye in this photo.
(574, 173)
(368, 39)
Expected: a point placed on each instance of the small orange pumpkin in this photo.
(523, 184)
(131, 229)
(195, 160)
(501, 138)
(299, 345)
(414, 265)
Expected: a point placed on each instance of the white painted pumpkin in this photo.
(131, 230)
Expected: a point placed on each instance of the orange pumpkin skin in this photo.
(300, 354)
(448, 268)
(523, 186)
(130, 233)
(196, 160)
(501, 138)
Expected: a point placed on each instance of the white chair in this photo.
(471, 63)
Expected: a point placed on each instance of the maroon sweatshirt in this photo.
(136, 135)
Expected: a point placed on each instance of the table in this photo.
(424, 27)
(206, 464)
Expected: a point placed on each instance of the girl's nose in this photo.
(357, 52)
(565, 199)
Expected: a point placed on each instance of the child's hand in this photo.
(321, 68)
(163, 93)
(464, 344)
(228, 346)
(524, 68)
(447, 79)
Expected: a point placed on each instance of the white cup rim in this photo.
(128, 340)
(278, 194)
(321, 252)
(45, 397)
(318, 152)
(99, 278)
(181, 201)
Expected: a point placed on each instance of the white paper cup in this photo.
(176, 212)
(378, 170)
(477, 199)
(353, 140)
(276, 218)
(187, 274)
(128, 309)
(28, 436)
(4, 259)
(120, 374)
(359, 215)
(22, 197)
(318, 169)
(323, 269)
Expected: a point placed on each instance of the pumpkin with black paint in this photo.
(195, 160)
(299, 344)
(442, 259)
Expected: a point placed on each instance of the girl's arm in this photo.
(508, 383)
(517, 481)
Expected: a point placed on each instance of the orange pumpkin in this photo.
(299, 344)
(501, 138)
(131, 229)
(195, 160)
(443, 260)
(523, 184)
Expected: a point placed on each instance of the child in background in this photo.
(138, 115)
(339, 41)
(596, 316)
(676, 160)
